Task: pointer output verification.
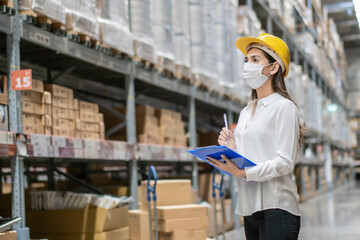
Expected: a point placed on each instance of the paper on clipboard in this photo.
(217, 151)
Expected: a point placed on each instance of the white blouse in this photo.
(269, 139)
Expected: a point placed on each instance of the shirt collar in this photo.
(266, 100)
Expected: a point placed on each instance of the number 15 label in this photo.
(21, 80)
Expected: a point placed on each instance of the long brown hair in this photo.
(278, 84)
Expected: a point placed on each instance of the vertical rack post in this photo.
(17, 162)
(131, 133)
(193, 136)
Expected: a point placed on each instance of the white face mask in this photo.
(253, 76)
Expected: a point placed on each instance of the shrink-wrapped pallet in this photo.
(197, 33)
(49, 8)
(140, 12)
(181, 37)
(161, 20)
(81, 17)
(114, 25)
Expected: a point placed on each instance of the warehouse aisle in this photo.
(331, 216)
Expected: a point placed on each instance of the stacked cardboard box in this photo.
(169, 193)
(90, 123)
(92, 222)
(62, 110)
(179, 130)
(34, 118)
(147, 125)
(8, 235)
(166, 123)
(182, 222)
(171, 128)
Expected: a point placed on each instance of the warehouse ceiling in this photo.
(343, 12)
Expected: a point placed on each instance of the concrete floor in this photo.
(331, 216)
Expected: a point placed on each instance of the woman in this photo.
(268, 133)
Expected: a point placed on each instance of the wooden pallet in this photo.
(182, 72)
(44, 22)
(165, 66)
(84, 39)
(7, 7)
(112, 51)
(144, 63)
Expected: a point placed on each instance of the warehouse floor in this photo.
(330, 216)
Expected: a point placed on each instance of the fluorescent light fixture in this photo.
(357, 10)
(332, 107)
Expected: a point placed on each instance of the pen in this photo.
(226, 124)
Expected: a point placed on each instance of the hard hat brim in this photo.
(243, 42)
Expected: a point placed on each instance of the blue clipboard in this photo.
(217, 151)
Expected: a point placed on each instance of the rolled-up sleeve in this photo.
(287, 138)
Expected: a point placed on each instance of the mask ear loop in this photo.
(269, 65)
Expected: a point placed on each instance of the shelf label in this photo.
(21, 80)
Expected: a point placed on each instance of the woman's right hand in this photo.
(227, 138)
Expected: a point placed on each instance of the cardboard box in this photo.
(57, 221)
(48, 130)
(4, 91)
(145, 110)
(64, 132)
(8, 235)
(59, 91)
(100, 117)
(37, 86)
(181, 211)
(4, 118)
(63, 113)
(29, 119)
(64, 123)
(76, 104)
(90, 135)
(34, 108)
(163, 113)
(61, 102)
(90, 127)
(33, 129)
(48, 109)
(182, 224)
(77, 221)
(88, 107)
(169, 192)
(199, 234)
(47, 97)
(139, 225)
(89, 117)
(118, 234)
(102, 127)
(100, 219)
(29, 96)
(48, 121)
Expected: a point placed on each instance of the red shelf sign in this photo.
(21, 80)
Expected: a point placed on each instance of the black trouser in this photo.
(272, 224)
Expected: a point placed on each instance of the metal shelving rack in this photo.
(127, 72)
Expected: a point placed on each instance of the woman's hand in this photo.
(227, 166)
(227, 138)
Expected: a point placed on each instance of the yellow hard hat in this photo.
(271, 44)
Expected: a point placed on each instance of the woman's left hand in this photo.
(227, 166)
